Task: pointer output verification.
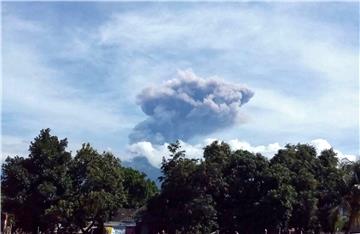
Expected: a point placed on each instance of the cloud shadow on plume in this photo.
(188, 106)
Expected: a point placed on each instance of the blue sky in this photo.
(78, 68)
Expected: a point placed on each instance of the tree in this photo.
(351, 199)
(257, 195)
(228, 191)
(301, 160)
(245, 176)
(15, 184)
(182, 205)
(279, 199)
(217, 156)
(97, 190)
(30, 186)
(51, 190)
(138, 188)
(330, 189)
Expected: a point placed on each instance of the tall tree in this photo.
(51, 190)
(138, 188)
(279, 199)
(182, 206)
(245, 175)
(32, 185)
(330, 190)
(217, 156)
(301, 160)
(257, 197)
(228, 191)
(351, 199)
(98, 188)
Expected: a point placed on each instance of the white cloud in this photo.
(274, 34)
(39, 94)
(279, 104)
(322, 144)
(266, 150)
(12, 145)
(154, 153)
(21, 25)
(35, 90)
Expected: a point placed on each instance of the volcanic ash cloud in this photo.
(188, 106)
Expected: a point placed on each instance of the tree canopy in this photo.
(51, 190)
(239, 191)
(226, 191)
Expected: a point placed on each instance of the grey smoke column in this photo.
(187, 106)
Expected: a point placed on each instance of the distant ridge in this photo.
(142, 164)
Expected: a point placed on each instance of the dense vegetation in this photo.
(51, 190)
(247, 193)
(229, 191)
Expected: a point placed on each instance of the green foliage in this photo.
(244, 192)
(138, 188)
(301, 160)
(249, 194)
(280, 196)
(182, 206)
(50, 189)
(351, 198)
(97, 187)
(30, 186)
(331, 190)
(226, 191)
